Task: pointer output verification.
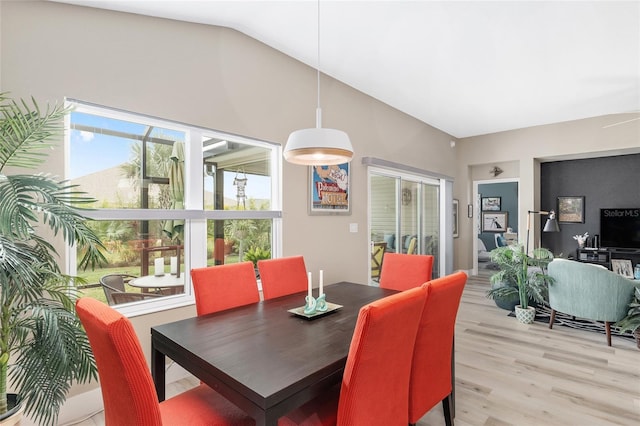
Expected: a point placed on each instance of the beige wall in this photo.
(221, 79)
(519, 153)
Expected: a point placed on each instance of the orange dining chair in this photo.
(282, 276)
(431, 371)
(221, 287)
(127, 388)
(375, 383)
(404, 271)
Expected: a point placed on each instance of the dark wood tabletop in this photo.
(262, 358)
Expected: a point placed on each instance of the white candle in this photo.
(321, 283)
(158, 266)
(310, 285)
(174, 265)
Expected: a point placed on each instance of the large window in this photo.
(170, 197)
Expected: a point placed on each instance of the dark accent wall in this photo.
(606, 182)
(508, 192)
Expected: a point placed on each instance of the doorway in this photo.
(495, 199)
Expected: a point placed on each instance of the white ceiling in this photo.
(467, 68)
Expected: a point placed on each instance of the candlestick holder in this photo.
(317, 309)
(321, 303)
(310, 307)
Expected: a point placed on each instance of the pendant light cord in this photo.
(318, 109)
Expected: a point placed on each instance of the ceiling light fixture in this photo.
(318, 146)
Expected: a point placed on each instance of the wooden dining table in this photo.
(261, 357)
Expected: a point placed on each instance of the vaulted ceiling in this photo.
(467, 68)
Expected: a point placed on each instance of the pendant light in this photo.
(318, 146)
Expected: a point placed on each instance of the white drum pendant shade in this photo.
(318, 147)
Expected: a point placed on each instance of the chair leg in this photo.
(607, 327)
(447, 407)
(552, 318)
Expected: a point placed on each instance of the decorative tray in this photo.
(331, 307)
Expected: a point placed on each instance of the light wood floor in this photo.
(509, 373)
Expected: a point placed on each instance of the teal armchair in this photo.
(588, 291)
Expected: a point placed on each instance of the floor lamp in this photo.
(551, 225)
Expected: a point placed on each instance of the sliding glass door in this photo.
(405, 217)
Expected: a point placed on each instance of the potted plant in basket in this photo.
(525, 276)
(632, 321)
(43, 348)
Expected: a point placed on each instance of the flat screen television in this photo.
(620, 228)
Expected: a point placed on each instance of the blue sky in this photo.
(92, 152)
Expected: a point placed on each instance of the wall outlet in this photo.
(353, 227)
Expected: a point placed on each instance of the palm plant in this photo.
(38, 324)
(514, 270)
(631, 322)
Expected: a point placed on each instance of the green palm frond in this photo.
(39, 325)
(514, 270)
(631, 322)
(25, 131)
(20, 269)
(58, 356)
(30, 200)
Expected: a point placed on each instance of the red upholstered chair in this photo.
(127, 387)
(431, 370)
(404, 271)
(282, 276)
(221, 287)
(375, 384)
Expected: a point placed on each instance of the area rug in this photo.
(543, 313)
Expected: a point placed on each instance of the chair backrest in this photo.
(481, 246)
(588, 291)
(221, 287)
(412, 245)
(282, 276)
(113, 283)
(404, 271)
(127, 387)
(431, 369)
(377, 257)
(375, 383)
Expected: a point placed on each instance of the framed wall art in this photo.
(571, 209)
(622, 267)
(329, 189)
(491, 204)
(494, 221)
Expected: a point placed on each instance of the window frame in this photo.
(195, 240)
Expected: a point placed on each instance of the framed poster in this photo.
(455, 218)
(491, 204)
(571, 209)
(494, 221)
(329, 189)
